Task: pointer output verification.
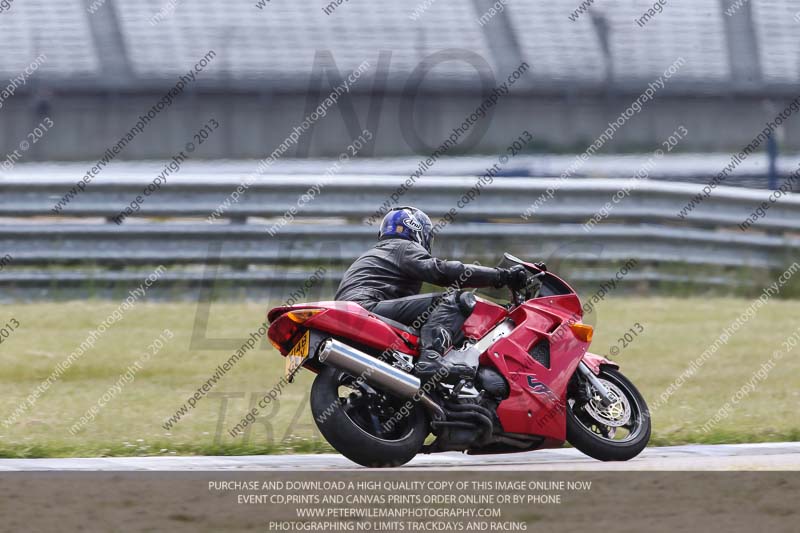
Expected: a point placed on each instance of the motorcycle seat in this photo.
(397, 325)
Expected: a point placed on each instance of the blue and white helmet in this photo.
(408, 223)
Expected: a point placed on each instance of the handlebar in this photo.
(517, 295)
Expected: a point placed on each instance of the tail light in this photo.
(286, 327)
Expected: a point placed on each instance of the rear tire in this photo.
(337, 421)
(593, 442)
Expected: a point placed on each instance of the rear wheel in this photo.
(366, 425)
(617, 432)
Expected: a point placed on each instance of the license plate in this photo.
(296, 357)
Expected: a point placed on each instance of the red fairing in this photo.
(483, 318)
(538, 393)
(350, 320)
(595, 362)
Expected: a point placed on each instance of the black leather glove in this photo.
(515, 278)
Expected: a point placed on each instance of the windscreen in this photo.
(551, 284)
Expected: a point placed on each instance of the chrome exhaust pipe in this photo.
(376, 373)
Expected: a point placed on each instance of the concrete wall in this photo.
(254, 124)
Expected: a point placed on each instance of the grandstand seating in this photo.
(57, 29)
(281, 39)
(777, 23)
(277, 44)
(569, 54)
(691, 30)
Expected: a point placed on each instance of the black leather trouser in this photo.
(439, 316)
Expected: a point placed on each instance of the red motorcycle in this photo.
(535, 385)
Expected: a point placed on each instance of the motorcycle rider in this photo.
(386, 281)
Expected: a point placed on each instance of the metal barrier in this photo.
(331, 228)
(358, 197)
(133, 244)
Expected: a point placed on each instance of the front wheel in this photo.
(365, 425)
(617, 432)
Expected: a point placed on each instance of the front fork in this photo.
(601, 389)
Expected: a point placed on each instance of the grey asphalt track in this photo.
(767, 456)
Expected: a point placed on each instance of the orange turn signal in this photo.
(276, 345)
(301, 315)
(584, 332)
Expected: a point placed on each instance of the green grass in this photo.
(675, 332)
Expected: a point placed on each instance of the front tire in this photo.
(618, 432)
(356, 425)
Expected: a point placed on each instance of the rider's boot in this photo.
(432, 365)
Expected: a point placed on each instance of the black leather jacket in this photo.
(396, 268)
